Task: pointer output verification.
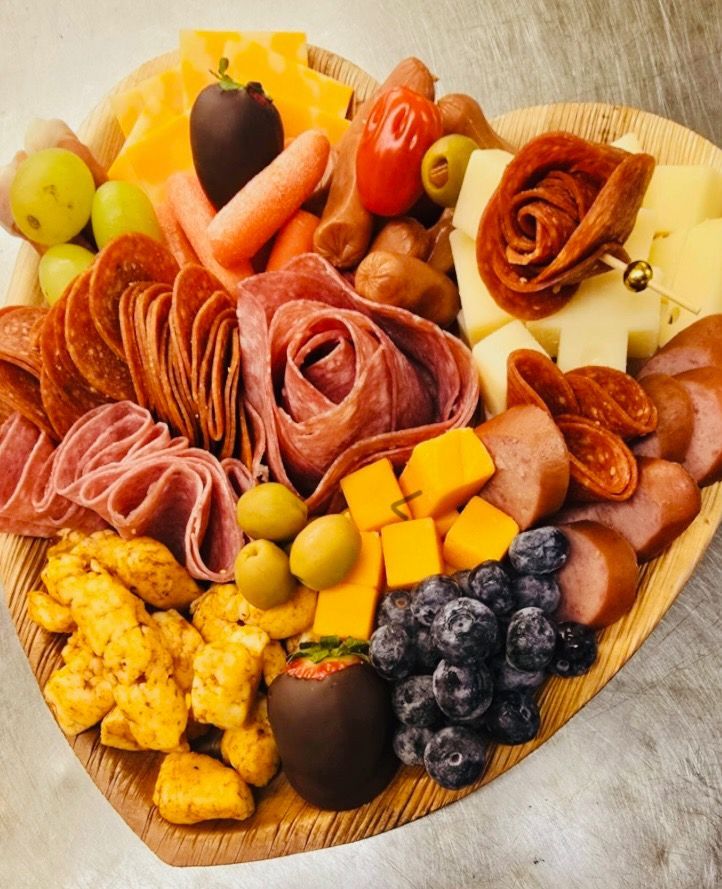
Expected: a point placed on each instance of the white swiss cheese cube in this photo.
(482, 176)
(628, 142)
(490, 356)
(604, 344)
(481, 315)
(694, 273)
(684, 195)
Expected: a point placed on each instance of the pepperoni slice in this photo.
(99, 364)
(614, 400)
(21, 392)
(561, 204)
(20, 336)
(601, 466)
(65, 392)
(533, 378)
(131, 343)
(128, 258)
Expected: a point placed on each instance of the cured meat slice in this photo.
(533, 378)
(665, 503)
(675, 418)
(20, 336)
(614, 400)
(561, 204)
(132, 338)
(26, 505)
(20, 391)
(531, 463)
(126, 259)
(601, 466)
(348, 380)
(66, 394)
(98, 364)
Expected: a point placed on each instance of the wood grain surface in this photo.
(283, 823)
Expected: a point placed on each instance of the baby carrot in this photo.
(195, 212)
(293, 239)
(175, 237)
(269, 200)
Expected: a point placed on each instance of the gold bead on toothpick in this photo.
(637, 275)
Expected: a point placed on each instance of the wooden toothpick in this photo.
(638, 275)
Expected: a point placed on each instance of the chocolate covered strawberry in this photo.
(331, 717)
(235, 131)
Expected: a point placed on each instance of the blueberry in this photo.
(395, 608)
(427, 654)
(391, 652)
(454, 757)
(462, 692)
(431, 595)
(464, 630)
(508, 678)
(540, 551)
(414, 703)
(530, 640)
(410, 742)
(576, 650)
(537, 591)
(513, 718)
(490, 584)
(462, 578)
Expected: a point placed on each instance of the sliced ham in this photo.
(339, 381)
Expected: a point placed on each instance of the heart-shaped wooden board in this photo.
(283, 823)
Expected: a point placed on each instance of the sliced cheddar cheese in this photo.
(348, 609)
(412, 551)
(251, 60)
(161, 94)
(374, 496)
(481, 532)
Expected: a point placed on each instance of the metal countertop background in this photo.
(628, 794)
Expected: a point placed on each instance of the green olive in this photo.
(443, 167)
(263, 576)
(272, 512)
(325, 551)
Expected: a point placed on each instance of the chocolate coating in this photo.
(233, 137)
(334, 735)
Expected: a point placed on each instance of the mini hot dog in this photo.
(405, 236)
(598, 582)
(462, 114)
(346, 226)
(440, 256)
(409, 283)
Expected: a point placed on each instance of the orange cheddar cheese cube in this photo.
(369, 568)
(481, 532)
(371, 493)
(348, 609)
(444, 522)
(412, 551)
(443, 472)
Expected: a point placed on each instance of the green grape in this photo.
(51, 196)
(59, 265)
(120, 207)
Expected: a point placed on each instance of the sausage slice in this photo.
(675, 418)
(703, 457)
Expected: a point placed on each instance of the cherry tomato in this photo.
(401, 126)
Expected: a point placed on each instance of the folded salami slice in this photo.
(20, 391)
(601, 466)
(348, 380)
(613, 400)
(27, 507)
(128, 258)
(561, 204)
(533, 378)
